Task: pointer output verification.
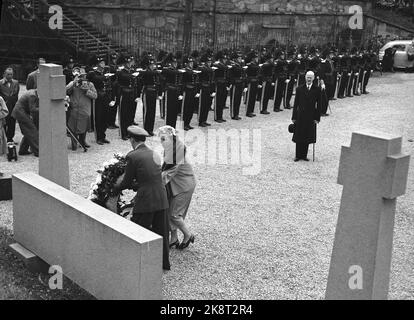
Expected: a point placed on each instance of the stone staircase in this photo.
(82, 35)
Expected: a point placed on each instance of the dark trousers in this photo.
(251, 97)
(126, 107)
(365, 80)
(204, 104)
(264, 95)
(189, 102)
(156, 222)
(221, 98)
(343, 84)
(149, 103)
(330, 89)
(172, 107)
(101, 116)
(235, 99)
(280, 91)
(301, 78)
(30, 133)
(10, 126)
(324, 101)
(302, 150)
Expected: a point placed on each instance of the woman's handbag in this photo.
(292, 127)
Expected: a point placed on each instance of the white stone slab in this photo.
(107, 255)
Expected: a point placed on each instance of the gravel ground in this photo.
(267, 236)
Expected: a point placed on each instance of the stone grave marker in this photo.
(373, 172)
(53, 153)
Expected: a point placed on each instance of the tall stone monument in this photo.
(373, 173)
(53, 153)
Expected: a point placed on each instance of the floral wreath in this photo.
(102, 192)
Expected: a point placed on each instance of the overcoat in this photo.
(306, 110)
(80, 107)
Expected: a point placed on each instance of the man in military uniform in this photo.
(356, 62)
(292, 72)
(150, 79)
(221, 78)
(143, 174)
(345, 73)
(252, 82)
(280, 74)
(127, 95)
(190, 92)
(236, 77)
(206, 89)
(172, 89)
(101, 79)
(303, 65)
(266, 81)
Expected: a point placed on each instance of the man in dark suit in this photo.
(25, 112)
(9, 91)
(31, 82)
(143, 172)
(306, 115)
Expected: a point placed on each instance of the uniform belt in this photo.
(190, 86)
(151, 88)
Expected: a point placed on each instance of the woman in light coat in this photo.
(178, 176)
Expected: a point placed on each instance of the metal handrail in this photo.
(84, 31)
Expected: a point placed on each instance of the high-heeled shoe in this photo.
(184, 245)
(175, 244)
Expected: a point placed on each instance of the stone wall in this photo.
(149, 25)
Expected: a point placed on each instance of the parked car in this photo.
(401, 55)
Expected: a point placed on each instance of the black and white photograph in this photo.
(208, 151)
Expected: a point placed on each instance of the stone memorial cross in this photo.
(53, 154)
(373, 173)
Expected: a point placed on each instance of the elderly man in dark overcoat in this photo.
(306, 115)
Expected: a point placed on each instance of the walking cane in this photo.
(313, 152)
(76, 138)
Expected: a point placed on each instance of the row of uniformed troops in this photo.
(202, 82)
